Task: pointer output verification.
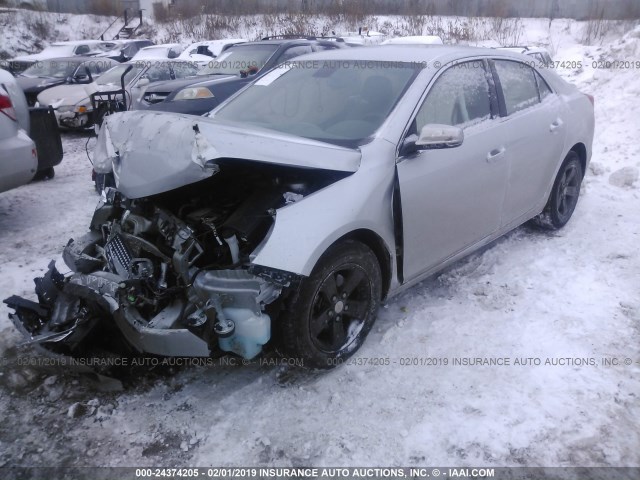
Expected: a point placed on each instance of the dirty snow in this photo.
(567, 295)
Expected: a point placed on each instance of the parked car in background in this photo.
(363, 36)
(204, 52)
(72, 103)
(322, 188)
(415, 40)
(59, 71)
(86, 48)
(125, 50)
(236, 67)
(18, 155)
(540, 54)
(158, 52)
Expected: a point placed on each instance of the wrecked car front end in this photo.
(167, 260)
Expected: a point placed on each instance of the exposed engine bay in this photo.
(172, 272)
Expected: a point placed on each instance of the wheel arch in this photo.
(378, 247)
(581, 151)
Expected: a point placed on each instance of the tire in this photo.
(46, 174)
(334, 309)
(564, 195)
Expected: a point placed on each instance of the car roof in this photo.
(79, 42)
(414, 40)
(75, 59)
(284, 41)
(218, 42)
(162, 45)
(525, 49)
(410, 53)
(153, 60)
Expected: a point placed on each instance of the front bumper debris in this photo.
(69, 308)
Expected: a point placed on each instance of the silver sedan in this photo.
(18, 157)
(324, 187)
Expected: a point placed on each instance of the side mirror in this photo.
(83, 77)
(440, 136)
(143, 82)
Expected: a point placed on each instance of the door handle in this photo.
(556, 125)
(494, 154)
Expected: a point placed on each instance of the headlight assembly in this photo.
(194, 93)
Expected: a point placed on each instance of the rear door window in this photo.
(518, 85)
(82, 50)
(158, 72)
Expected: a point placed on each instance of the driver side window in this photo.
(459, 97)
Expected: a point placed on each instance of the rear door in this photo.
(535, 134)
(452, 198)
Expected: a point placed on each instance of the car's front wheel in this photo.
(564, 195)
(334, 308)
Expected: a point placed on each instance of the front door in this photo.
(452, 198)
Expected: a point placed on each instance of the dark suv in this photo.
(234, 68)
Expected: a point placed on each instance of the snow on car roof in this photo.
(525, 49)
(79, 42)
(158, 51)
(409, 53)
(415, 40)
(216, 46)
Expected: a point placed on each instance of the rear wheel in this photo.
(564, 195)
(334, 308)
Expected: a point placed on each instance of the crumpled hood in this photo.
(29, 84)
(72, 94)
(63, 95)
(151, 152)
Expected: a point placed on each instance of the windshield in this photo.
(237, 59)
(51, 69)
(336, 102)
(113, 76)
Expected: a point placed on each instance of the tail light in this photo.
(591, 99)
(6, 107)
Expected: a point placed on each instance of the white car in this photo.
(204, 52)
(415, 40)
(363, 36)
(18, 155)
(72, 103)
(66, 49)
(158, 52)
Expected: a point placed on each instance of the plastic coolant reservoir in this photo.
(251, 332)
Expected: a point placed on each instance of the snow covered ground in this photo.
(531, 296)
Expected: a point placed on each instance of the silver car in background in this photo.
(329, 184)
(18, 156)
(72, 103)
